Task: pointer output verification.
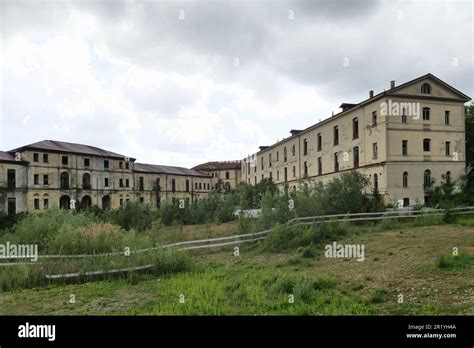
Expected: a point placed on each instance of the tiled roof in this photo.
(7, 157)
(227, 165)
(159, 169)
(61, 146)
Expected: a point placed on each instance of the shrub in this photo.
(169, 261)
(134, 215)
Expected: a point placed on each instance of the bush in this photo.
(169, 261)
(134, 215)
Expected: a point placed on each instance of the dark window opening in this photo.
(86, 162)
(45, 158)
(141, 184)
(356, 157)
(64, 160)
(64, 180)
(35, 157)
(426, 145)
(11, 179)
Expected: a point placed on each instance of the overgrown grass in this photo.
(449, 262)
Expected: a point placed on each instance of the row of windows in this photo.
(227, 174)
(86, 161)
(426, 147)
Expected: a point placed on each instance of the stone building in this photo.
(404, 139)
(226, 175)
(48, 173)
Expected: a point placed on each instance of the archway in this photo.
(64, 202)
(106, 202)
(86, 202)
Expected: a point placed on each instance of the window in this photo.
(37, 203)
(121, 202)
(187, 185)
(426, 88)
(305, 147)
(11, 179)
(426, 145)
(336, 135)
(262, 177)
(305, 168)
(195, 185)
(375, 151)
(356, 156)
(447, 147)
(336, 161)
(36, 179)
(87, 162)
(127, 165)
(404, 115)
(142, 199)
(404, 147)
(64, 160)
(141, 184)
(64, 180)
(446, 117)
(294, 171)
(227, 175)
(320, 166)
(320, 141)
(45, 203)
(271, 176)
(285, 155)
(106, 164)
(447, 177)
(173, 185)
(157, 184)
(406, 202)
(269, 159)
(293, 150)
(278, 156)
(355, 128)
(426, 114)
(405, 179)
(11, 206)
(200, 185)
(376, 182)
(106, 182)
(374, 118)
(286, 174)
(278, 175)
(427, 178)
(127, 183)
(36, 159)
(45, 179)
(120, 165)
(120, 182)
(86, 181)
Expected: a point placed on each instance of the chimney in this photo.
(371, 93)
(392, 84)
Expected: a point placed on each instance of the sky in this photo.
(186, 82)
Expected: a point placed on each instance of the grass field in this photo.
(404, 261)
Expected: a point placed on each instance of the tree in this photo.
(470, 135)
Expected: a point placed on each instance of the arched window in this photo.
(426, 88)
(427, 178)
(64, 180)
(376, 182)
(86, 181)
(405, 179)
(447, 177)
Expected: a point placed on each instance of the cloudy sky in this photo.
(182, 83)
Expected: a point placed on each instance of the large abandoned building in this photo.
(49, 173)
(403, 139)
(226, 176)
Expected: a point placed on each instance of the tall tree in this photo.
(470, 135)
